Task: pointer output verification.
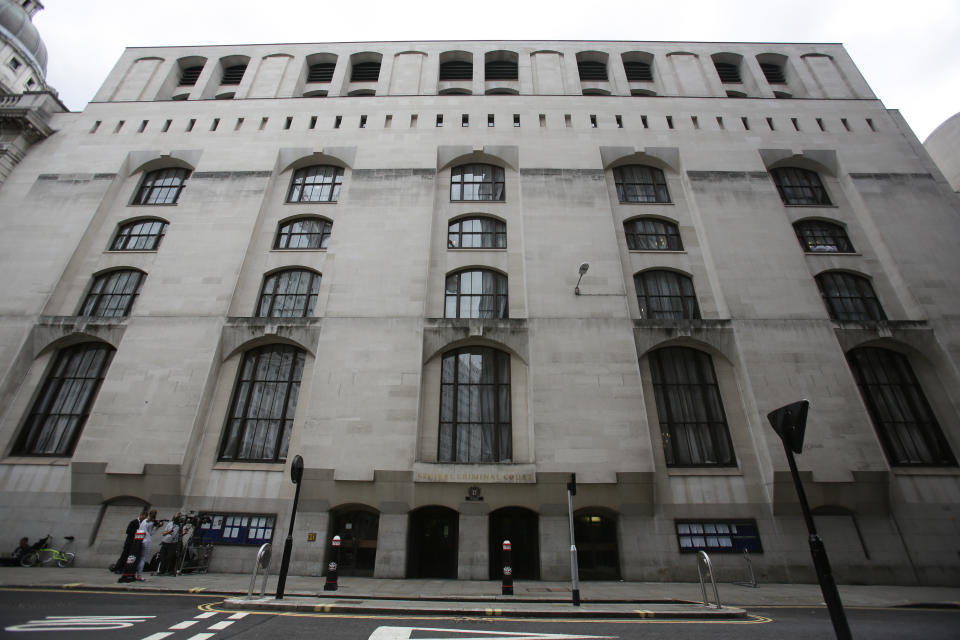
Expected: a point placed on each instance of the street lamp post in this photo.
(296, 473)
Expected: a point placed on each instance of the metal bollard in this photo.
(507, 569)
(331, 583)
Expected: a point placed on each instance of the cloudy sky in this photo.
(909, 52)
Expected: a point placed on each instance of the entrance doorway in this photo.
(522, 528)
(432, 545)
(357, 527)
(598, 556)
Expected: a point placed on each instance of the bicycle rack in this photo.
(263, 562)
(751, 580)
(703, 562)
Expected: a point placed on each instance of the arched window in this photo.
(139, 235)
(849, 297)
(162, 186)
(291, 293)
(799, 186)
(263, 405)
(304, 233)
(820, 236)
(63, 405)
(319, 183)
(666, 295)
(898, 408)
(478, 293)
(475, 406)
(640, 183)
(477, 232)
(690, 410)
(112, 294)
(476, 182)
(652, 234)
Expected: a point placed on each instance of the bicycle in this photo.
(43, 553)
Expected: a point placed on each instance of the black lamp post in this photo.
(296, 473)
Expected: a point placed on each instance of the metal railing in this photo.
(263, 562)
(751, 578)
(703, 563)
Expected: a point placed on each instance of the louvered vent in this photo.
(456, 70)
(638, 71)
(773, 73)
(234, 74)
(189, 76)
(592, 71)
(365, 72)
(501, 70)
(322, 72)
(729, 73)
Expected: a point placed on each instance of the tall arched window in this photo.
(908, 430)
(263, 405)
(692, 421)
(64, 402)
(139, 235)
(666, 295)
(319, 183)
(162, 186)
(799, 186)
(652, 234)
(820, 236)
(475, 423)
(112, 294)
(849, 297)
(477, 232)
(476, 182)
(309, 232)
(640, 183)
(478, 293)
(291, 293)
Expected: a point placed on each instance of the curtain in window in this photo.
(112, 294)
(476, 294)
(289, 294)
(475, 424)
(692, 420)
(666, 295)
(849, 297)
(640, 183)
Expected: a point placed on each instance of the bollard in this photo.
(331, 583)
(507, 569)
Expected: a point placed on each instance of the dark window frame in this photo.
(822, 236)
(255, 381)
(161, 187)
(901, 415)
(493, 305)
(205, 534)
(481, 187)
(324, 180)
(142, 234)
(288, 303)
(739, 541)
(641, 183)
(487, 403)
(103, 298)
(678, 301)
(849, 297)
(800, 187)
(494, 238)
(703, 440)
(646, 233)
(289, 233)
(69, 390)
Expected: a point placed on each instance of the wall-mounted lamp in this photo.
(583, 269)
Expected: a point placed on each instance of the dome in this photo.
(15, 26)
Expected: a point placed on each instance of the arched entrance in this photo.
(522, 528)
(598, 555)
(432, 543)
(357, 526)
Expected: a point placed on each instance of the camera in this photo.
(191, 518)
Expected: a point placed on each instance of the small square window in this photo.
(14, 64)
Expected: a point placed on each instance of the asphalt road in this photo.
(60, 614)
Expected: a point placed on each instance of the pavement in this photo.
(476, 598)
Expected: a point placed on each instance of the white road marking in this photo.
(159, 636)
(206, 614)
(201, 636)
(223, 624)
(237, 616)
(186, 624)
(79, 623)
(403, 633)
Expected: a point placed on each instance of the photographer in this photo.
(170, 546)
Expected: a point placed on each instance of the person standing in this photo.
(148, 527)
(169, 547)
(132, 527)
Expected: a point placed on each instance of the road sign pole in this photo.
(574, 570)
(296, 473)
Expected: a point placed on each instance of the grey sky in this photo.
(909, 52)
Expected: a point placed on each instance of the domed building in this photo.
(942, 147)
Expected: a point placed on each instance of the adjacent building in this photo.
(450, 274)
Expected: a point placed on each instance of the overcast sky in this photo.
(909, 52)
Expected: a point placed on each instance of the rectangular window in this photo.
(191, 124)
(119, 126)
(465, 120)
(143, 125)
(166, 126)
(619, 120)
(313, 122)
(239, 124)
(643, 121)
(566, 120)
(215, 124)
(387, 121)
(413, 121)
(96, 125)
(670, 122)
(770, 124)
(695, 122)
(439, 119)
(14, 64)
(363, 122)
(718, 536)
(593, 121)
(238, 529)
(516, 119)
(337, 121)
(870, 124)
(720, 123)
(490, 120)
(846, 125)
(796, 124)
(746, 123)
(288, 122)
(820, 124)
(543, 119)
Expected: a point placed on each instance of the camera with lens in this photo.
(191, 518)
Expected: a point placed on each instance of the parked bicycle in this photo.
(42, 553)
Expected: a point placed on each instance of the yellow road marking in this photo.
(71, 585)
(197, 589)
(323, 607)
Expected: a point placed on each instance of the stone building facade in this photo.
(450, 274)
